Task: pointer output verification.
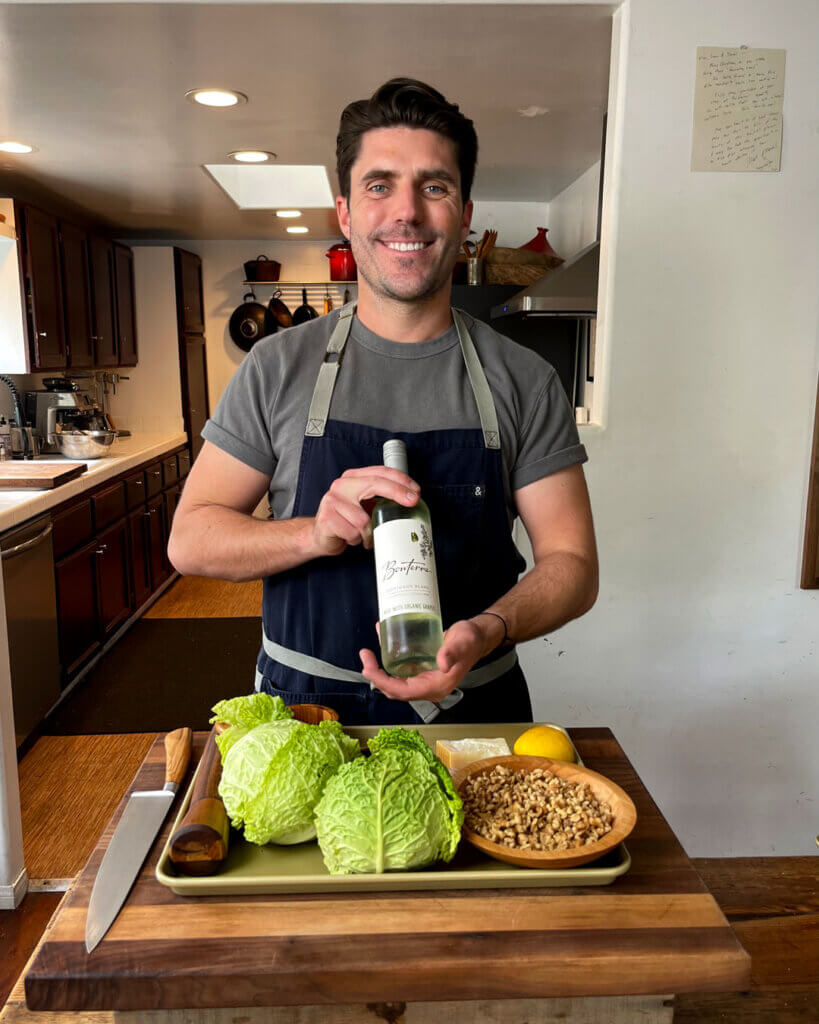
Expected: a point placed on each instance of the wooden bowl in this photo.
(312, 714)
(624, 814)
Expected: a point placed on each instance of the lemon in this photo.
(545, 741)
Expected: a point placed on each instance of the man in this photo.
(487, 426)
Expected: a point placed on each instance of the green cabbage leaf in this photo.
(243, 714)
(273, 776)
(396, 810)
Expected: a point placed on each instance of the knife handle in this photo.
(199, 846)
(177, 755)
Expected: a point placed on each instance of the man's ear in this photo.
(466, 220)
(343, 214)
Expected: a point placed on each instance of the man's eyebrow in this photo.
(436, 172)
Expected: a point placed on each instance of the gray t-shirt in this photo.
(392, 385)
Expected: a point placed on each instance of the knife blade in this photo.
(132, 839)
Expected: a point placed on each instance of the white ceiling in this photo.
(99, 89)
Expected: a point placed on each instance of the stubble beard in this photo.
(410, 288)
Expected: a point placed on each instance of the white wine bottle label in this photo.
(405, 569)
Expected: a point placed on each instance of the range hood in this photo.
(571, 290)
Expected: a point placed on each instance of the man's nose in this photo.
(407, 204)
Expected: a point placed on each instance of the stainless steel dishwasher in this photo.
(31, 615)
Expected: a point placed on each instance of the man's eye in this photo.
(439, 187)
(370, 189)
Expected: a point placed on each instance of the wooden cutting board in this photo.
(37, 476)
(655, 929)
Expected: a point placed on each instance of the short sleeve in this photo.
(240, 422)
(549, 440)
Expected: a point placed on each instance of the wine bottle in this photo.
(409, 609)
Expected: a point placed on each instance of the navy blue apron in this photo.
(317, 616)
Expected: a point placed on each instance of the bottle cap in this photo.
(395, 455)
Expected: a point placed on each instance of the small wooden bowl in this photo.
(624, 813)
(312, 714)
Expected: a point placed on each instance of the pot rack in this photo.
(298, 284)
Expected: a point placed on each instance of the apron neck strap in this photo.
(480, 386)
(326, 380)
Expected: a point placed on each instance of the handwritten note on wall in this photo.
(738, 109)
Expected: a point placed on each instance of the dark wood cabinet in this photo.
(77, 607)
(102, 292)
(113, 580)
(135, 490)
(125, 307)
(189, 304)
(153, 479)
(195, 401)
(44, 298)
(138, 556)
(76, 286)
(158, 542)
(184, 460)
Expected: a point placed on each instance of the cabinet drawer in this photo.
(72, 528)
(153, 479)
(108, 505)
(170, 471)
(184, 458)
(135, 493)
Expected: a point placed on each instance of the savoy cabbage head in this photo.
(275, 768)
(396, 810)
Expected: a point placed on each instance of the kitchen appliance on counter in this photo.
(63, 408)
(31, 616)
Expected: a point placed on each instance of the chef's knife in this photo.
(132, 839)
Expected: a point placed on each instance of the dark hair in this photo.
(405, 101)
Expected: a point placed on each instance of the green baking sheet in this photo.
(256, 870)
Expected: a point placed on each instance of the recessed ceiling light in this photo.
(16, 147)
(216, 97)
(297, 230)
(288, 213)
(251, 156)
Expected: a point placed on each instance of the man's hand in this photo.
(343, 515)
(465, 643)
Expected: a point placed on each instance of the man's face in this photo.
(405, 190)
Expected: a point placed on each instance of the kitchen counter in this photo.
(513, 954)
(126, 452)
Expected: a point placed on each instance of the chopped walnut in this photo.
(534, 810)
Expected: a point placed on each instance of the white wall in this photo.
(701, 650)
(573, 214)
(150, 401)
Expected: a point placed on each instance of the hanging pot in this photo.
(342, 262)
(278, 315)
(305, 311)
(262, 269)
(248, 323)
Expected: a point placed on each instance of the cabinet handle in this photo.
(42, 334)
(101, 549)
(156, 472)
(138, 483)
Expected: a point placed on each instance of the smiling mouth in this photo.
(405, 248)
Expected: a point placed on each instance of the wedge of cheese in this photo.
(457, 754)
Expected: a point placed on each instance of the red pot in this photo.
(342, 263)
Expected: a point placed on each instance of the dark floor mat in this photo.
(164, 673)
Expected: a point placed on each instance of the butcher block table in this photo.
(579, 955)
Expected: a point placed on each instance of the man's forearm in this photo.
(229, 545)
(562, 586)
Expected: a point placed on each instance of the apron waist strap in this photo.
(428, 710)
